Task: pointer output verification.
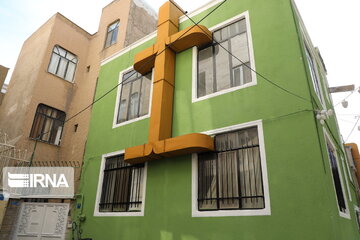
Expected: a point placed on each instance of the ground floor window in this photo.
(231, 178)
(122, 186)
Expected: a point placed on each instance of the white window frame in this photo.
(195, 98)
(116, 112)
(97, 213)
(223, 213)
(329, 140)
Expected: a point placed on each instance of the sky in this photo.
(333, 26)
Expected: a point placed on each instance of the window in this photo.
(134, 96)
(232, 177)
(111, 34)
(336, 176)
(122, 186)
(217, 69)
(48, 124)
(62, 63)
(313, 72)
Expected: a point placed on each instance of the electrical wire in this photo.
(242, 62)
(352, 130)
(347, 96)
(142, 66)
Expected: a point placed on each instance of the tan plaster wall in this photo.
(31, 84)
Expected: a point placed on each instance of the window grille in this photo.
(231, 177)
(122, 186)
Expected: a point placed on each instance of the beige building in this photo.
(54, 78)
(3, 73)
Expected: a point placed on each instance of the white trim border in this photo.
(245, 15)
(117, 101)
(224, 213)
(329, 140)
(97, 213)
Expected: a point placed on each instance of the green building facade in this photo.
(279, 170)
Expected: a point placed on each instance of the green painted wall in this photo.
(302, 197)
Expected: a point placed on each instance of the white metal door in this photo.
(42, 221)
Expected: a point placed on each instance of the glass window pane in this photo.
(70, 72)
(225, 33)
(130, 76)
(108, 39)
(114, 36)
(62, 68)
(145, 95)
(228, 183)
(134, 100)
(62, 52)
(207, 188)
(239, 48)
(223, 67)
(123, 106)
(54, 61)
(217, 36)
(205, 75)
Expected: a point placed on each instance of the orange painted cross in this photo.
(161, 57)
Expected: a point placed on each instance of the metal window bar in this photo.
(122, 186)
(337, 181)
(236, 180)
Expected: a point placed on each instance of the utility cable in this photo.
(141, 67)
(347, 96)
(242, 62)
(352, 130)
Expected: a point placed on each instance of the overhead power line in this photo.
(141, 67)
(347, 96)
(242, 62)
(352, 130)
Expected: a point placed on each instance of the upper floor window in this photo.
(63, 63)
(336, 175)
(134, 96)
(122, 186)
(217, 69)
(111, 34)
(48, 124)
(313, 72)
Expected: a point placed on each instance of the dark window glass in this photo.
(111, 35)
(231, 177)
(134, 96)
(217, 69)
(336, 177)
(313, 74)
(62, 63)
(48, 124)
(122, 186)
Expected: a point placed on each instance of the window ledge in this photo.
(215, 94)
(229, 213)
(52, 74)
(42, 141)
(116, 125)
(119, 214)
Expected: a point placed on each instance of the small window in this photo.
(231, 177)
(217, 69)
(134, 96)
(334, 164)
(48, 124)
(111, 35)
(62, 63)
(313, 73)
(122, 186)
